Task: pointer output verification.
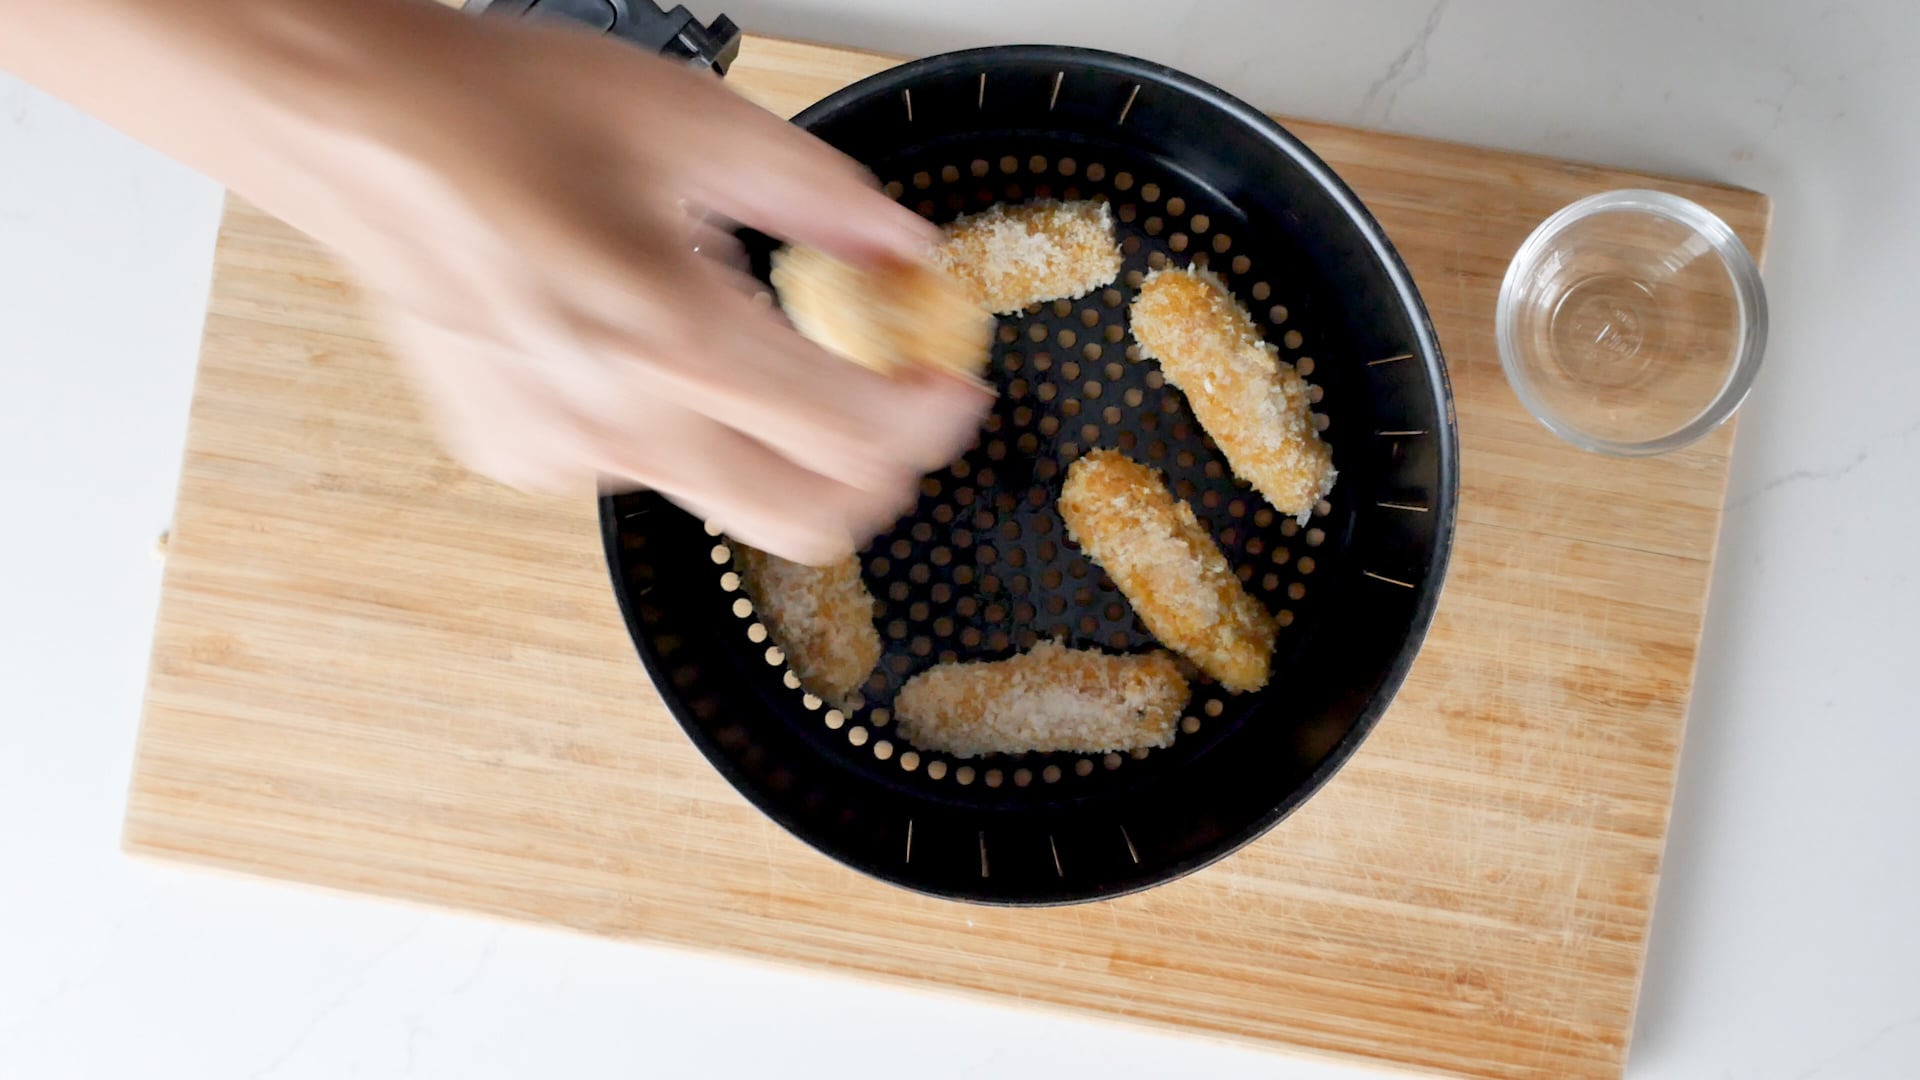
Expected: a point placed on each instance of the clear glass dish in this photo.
(1632, 322)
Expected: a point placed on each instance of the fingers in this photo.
(752, 492)
(766, 173)
(744, 367)
(519, 431)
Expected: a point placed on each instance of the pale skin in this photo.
(522, 201)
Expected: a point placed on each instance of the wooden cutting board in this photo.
(375, 672)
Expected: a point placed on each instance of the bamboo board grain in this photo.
(375, 672)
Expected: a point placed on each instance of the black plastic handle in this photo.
(675, 33)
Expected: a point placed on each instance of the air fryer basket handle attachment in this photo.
(675, 33)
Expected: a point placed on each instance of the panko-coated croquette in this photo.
(1251, 402)
(896, 317)
(1049, 698)
(1032, 252)
(820, 616)
(1124, 518)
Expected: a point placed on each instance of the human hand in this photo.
(535, 248)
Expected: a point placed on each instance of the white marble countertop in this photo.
(1787, 941)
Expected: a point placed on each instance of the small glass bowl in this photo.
(1632, 322)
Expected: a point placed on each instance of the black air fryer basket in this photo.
(983, 567)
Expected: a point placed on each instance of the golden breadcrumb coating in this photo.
(820, 616)
(1253, 403)
(1049, 698)
(1020, 255)
(901, 316)
(1122, 515)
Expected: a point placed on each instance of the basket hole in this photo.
(1292, 338)
(1130, 246)
(1009, 164)
(1261, 290)
(1296, 591)
(1277, 314)
(1304, 366)
(1176, 205)
(1242, 264)
(1096, 171)
(1157, 260)
(894, 189)
(1221, 242)
(1091, 352)
(1154, 225)
(1150, 192)
(1122, 181)
(1089, 317)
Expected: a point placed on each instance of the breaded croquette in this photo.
(1251, 402)
(820, 616)
(1122, 515)
(1037, 251)
(897, 317)
(1049, 698)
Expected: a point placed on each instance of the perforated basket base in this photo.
(983, 566)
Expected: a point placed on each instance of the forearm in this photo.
(223, 85)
